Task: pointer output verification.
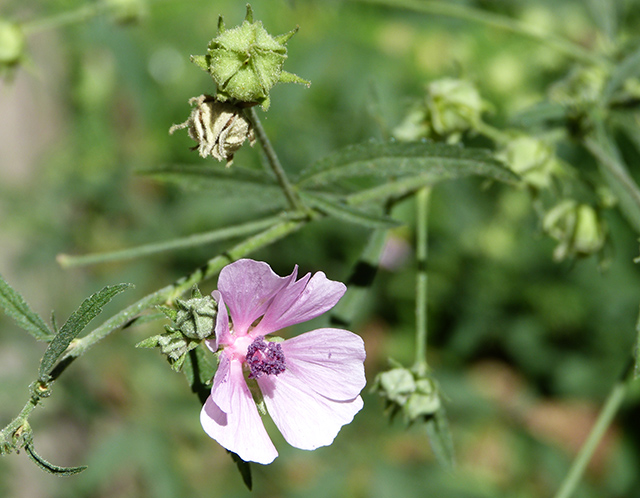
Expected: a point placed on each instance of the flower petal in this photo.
(329, 361)
(221, 328)
(306, 419)
(248, 287)
(298, 303)
(239, 429)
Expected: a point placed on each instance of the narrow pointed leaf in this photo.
(616, 173)
(88, 310)
(17, 308)
(243, 184)
(49, 467)
(347, 213)
(437, 427)
(245, 470)
(384, 160)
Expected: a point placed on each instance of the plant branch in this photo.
(274, 162)
(608, 412)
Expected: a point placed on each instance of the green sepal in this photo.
(202, 61)
(249, 15)
(437, 427)
(170, 313)
(285, 37)
(287, 77)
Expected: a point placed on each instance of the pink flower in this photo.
(310, 384)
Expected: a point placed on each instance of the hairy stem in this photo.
(422, 220)
(274, 162)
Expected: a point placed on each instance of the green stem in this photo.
(67, 261)
(497, 21)
(610, 408)
(422, 220)
(274, 162)
(81, 14)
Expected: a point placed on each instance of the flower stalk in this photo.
(274, 162)
(422, 219)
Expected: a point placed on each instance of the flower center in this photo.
(265, 358)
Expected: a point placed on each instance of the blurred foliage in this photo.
(523, 348)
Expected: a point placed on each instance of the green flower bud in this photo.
(12, 43)
(450, 108)
(196, 317)
(534, 160)
(577, 227)
(455, 106)
(246, 62)
(193, 321)
(219, 128)
(415, 396)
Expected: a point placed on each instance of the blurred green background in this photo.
(524, 349)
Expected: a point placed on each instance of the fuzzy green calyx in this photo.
(193, 321)
(245, 62)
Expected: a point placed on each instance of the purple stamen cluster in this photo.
(265, 358)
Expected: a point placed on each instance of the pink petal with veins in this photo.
(299, 303)
(239, 429)
(306, 419)
(248, 287)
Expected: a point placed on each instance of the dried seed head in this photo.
(219, 128)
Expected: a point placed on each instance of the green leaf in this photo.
(359, 282)
(88, 310)
(16, 307)
(605, 15)
(244, 468)
(246, 185)
(49, 467)
(382, 161)
(627, 68)
(437, 427)
(346, 213)
(199, 371)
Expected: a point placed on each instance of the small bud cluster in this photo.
(193, 321)
(416, 396)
